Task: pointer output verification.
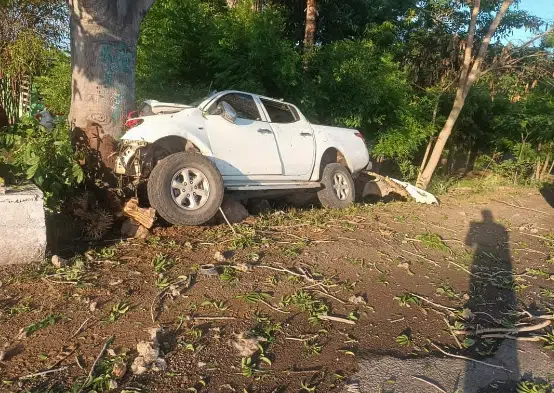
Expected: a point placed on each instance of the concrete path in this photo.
(386, 374)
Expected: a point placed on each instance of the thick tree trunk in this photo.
(311, 18)
(104, 35)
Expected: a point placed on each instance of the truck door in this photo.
(246, 147)
(295, 137)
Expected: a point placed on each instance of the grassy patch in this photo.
(50, 320)
(432, 241)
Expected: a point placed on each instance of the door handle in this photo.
(305, 134)
(264, 131)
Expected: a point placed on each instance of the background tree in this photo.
(311, 23)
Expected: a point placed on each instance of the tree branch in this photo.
(475, 70)
(469, 43)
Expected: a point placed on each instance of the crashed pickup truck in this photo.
(235, 143)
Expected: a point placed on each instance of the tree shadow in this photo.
(492, 302)
(547, 191)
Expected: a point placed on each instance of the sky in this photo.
(542, 8)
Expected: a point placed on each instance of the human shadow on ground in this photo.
(492, 301)
(547, 191)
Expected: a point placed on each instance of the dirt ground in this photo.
(400, 279)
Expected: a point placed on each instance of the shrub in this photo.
(45, 157)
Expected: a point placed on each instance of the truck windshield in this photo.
(201, 100)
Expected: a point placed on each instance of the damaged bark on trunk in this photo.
(104, 35)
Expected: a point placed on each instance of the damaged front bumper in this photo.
(132, 157)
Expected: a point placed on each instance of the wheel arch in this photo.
(331, 155)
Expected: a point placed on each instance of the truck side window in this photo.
(279, 112)
(243, 104)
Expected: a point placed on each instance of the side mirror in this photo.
(227, 112)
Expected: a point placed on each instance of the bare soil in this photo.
(448, 254)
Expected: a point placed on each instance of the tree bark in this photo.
(311, 24)
(425, 157)
(104, 35)
(545, 167)
(468, 76)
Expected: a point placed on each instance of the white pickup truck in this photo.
(237, 143)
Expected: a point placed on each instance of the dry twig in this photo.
(468, 359)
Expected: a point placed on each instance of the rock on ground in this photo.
(234, 211)
(393, 375)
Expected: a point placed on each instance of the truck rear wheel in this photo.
(338, 191)
(185, 189)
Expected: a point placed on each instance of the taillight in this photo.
(133, 123)
(359, 135)
(132, 114)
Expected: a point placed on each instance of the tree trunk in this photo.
(425, 157)
(104, 35)
(311, 17)
(545, 167)
(232, 3)
(257, 5)
(445, 133)
(469, 75)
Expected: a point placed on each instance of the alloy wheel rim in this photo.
(341, 186)
(190, 189)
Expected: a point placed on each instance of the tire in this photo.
(329, 195)
(180, 202)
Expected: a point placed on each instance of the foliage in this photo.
(45, 157)
(54, 84)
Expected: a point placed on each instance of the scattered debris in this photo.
(59, 262)
(406, 266)
(247, 346)
(145, 216)
(208, 269)
(148, 355)
(219, 257)
(242, 267)
(357, 300)
(119, 370)
(116, 282)
(92, 306)
(132, 228)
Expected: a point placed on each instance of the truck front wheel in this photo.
(185, 189)
(338, 187)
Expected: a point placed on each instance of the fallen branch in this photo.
(91, 372)
(302, 339)
(213, 318)
(533, 328)
(160, 295)
(507, 336)
(452, 333)
(520, 207)
(463, 268)
(273, 307)
(430, 383)
(336, 319)
(80, 328)
(421, 256)
(432, 303)
(227, 221)
(329, 295)
(40, 374)
(468, 359)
